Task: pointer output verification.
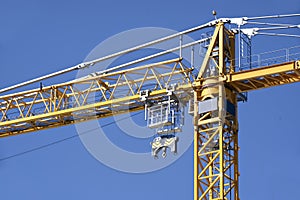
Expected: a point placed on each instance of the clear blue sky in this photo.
(41, 37)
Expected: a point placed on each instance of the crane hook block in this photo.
(162, 143)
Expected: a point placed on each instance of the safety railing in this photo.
(268, 58)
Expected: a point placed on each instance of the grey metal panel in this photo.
(208, 105)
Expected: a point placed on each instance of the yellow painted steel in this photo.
(216, 172)
(215, 136)
(99, 96)
(265, 77)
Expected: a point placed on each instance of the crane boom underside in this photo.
(19, 112)
(89, 98)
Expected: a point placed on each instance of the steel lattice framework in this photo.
(216, 173)
(89, 98)
(215, 137)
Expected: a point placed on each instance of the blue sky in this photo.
(41, 37)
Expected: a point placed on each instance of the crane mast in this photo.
(213, 90)
(217, 90)
(216, 172)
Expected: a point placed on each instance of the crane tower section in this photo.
(163, 88)
(215, 120)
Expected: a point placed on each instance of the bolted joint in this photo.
(170, 89)
(297, 65)
(144, 94)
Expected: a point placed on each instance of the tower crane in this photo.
(211, 84)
